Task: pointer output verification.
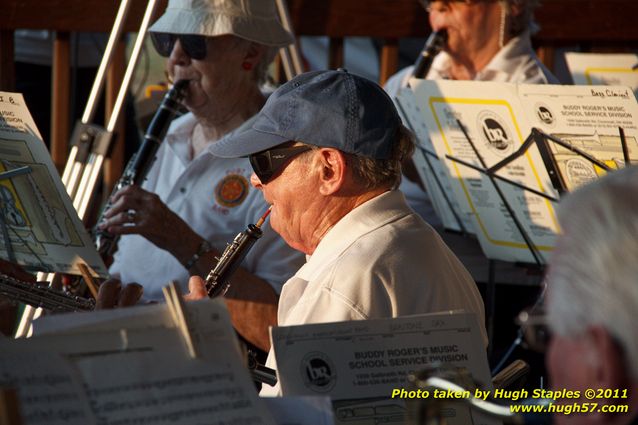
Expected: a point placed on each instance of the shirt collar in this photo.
(516, 52)
(367, 217)
(179, 136)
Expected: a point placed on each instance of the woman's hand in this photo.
(136, 211)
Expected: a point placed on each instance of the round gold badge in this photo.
(231, 190)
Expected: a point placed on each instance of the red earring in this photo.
(247, 66)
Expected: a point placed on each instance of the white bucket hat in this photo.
(253, 20)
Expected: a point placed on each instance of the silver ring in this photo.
(131, 215)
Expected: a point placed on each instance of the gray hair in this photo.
(372, 173)
(593, 274)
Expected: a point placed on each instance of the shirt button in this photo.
(182, 190)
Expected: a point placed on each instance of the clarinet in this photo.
(218, 280)
(138, 167)
(435, 42)
(42, 297)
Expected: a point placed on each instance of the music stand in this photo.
(90, 143)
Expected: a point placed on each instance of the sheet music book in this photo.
(498, 117)
(359, 363)
(42, 227)
(132, 366)
(611, 69)
(434, 175)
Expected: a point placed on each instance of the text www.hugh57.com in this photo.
(568, 409)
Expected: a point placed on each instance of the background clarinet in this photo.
(138, 167)
(434, 44)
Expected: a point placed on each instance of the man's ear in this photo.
(608, 362)
(333, 170)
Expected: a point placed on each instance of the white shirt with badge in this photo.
(214, 196)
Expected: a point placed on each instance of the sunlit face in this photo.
(471, 26)
(214, 79)
(293, 195)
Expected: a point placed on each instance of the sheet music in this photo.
(611, 69)
(359, 363)
(588, 118)
(497, 125)
(137, 370)
(45, 231)
(431, 170)
(49, 389)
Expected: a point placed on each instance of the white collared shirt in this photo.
(214, 196)
(380, 260)
(516, 62)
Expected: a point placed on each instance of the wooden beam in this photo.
(389, 61)
(60, 99)
(335, 53)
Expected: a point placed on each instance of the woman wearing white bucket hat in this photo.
(193, 202)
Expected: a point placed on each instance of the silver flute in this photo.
(43, 297)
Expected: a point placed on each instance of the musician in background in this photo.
(486, 41)
(593, 299)
(326, 150)
(194, 202)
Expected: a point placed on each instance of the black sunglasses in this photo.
(427, 3)
(193, 45)
(267, 163)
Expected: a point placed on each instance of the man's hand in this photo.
(196, 288)
(111, 295)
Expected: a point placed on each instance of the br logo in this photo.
(544, 114)
(318, 372)
(495, 133)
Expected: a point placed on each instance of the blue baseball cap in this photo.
(322, 108)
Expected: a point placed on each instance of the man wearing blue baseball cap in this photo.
(326, 151)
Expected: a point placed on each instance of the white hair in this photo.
(593, 274)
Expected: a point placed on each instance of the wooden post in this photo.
(60, 99)
(389, 59)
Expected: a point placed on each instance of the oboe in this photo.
(138, 167)
(218, 280)
(435, 42)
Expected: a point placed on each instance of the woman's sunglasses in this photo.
(267, 163)
(193, 45)
(427, 3)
